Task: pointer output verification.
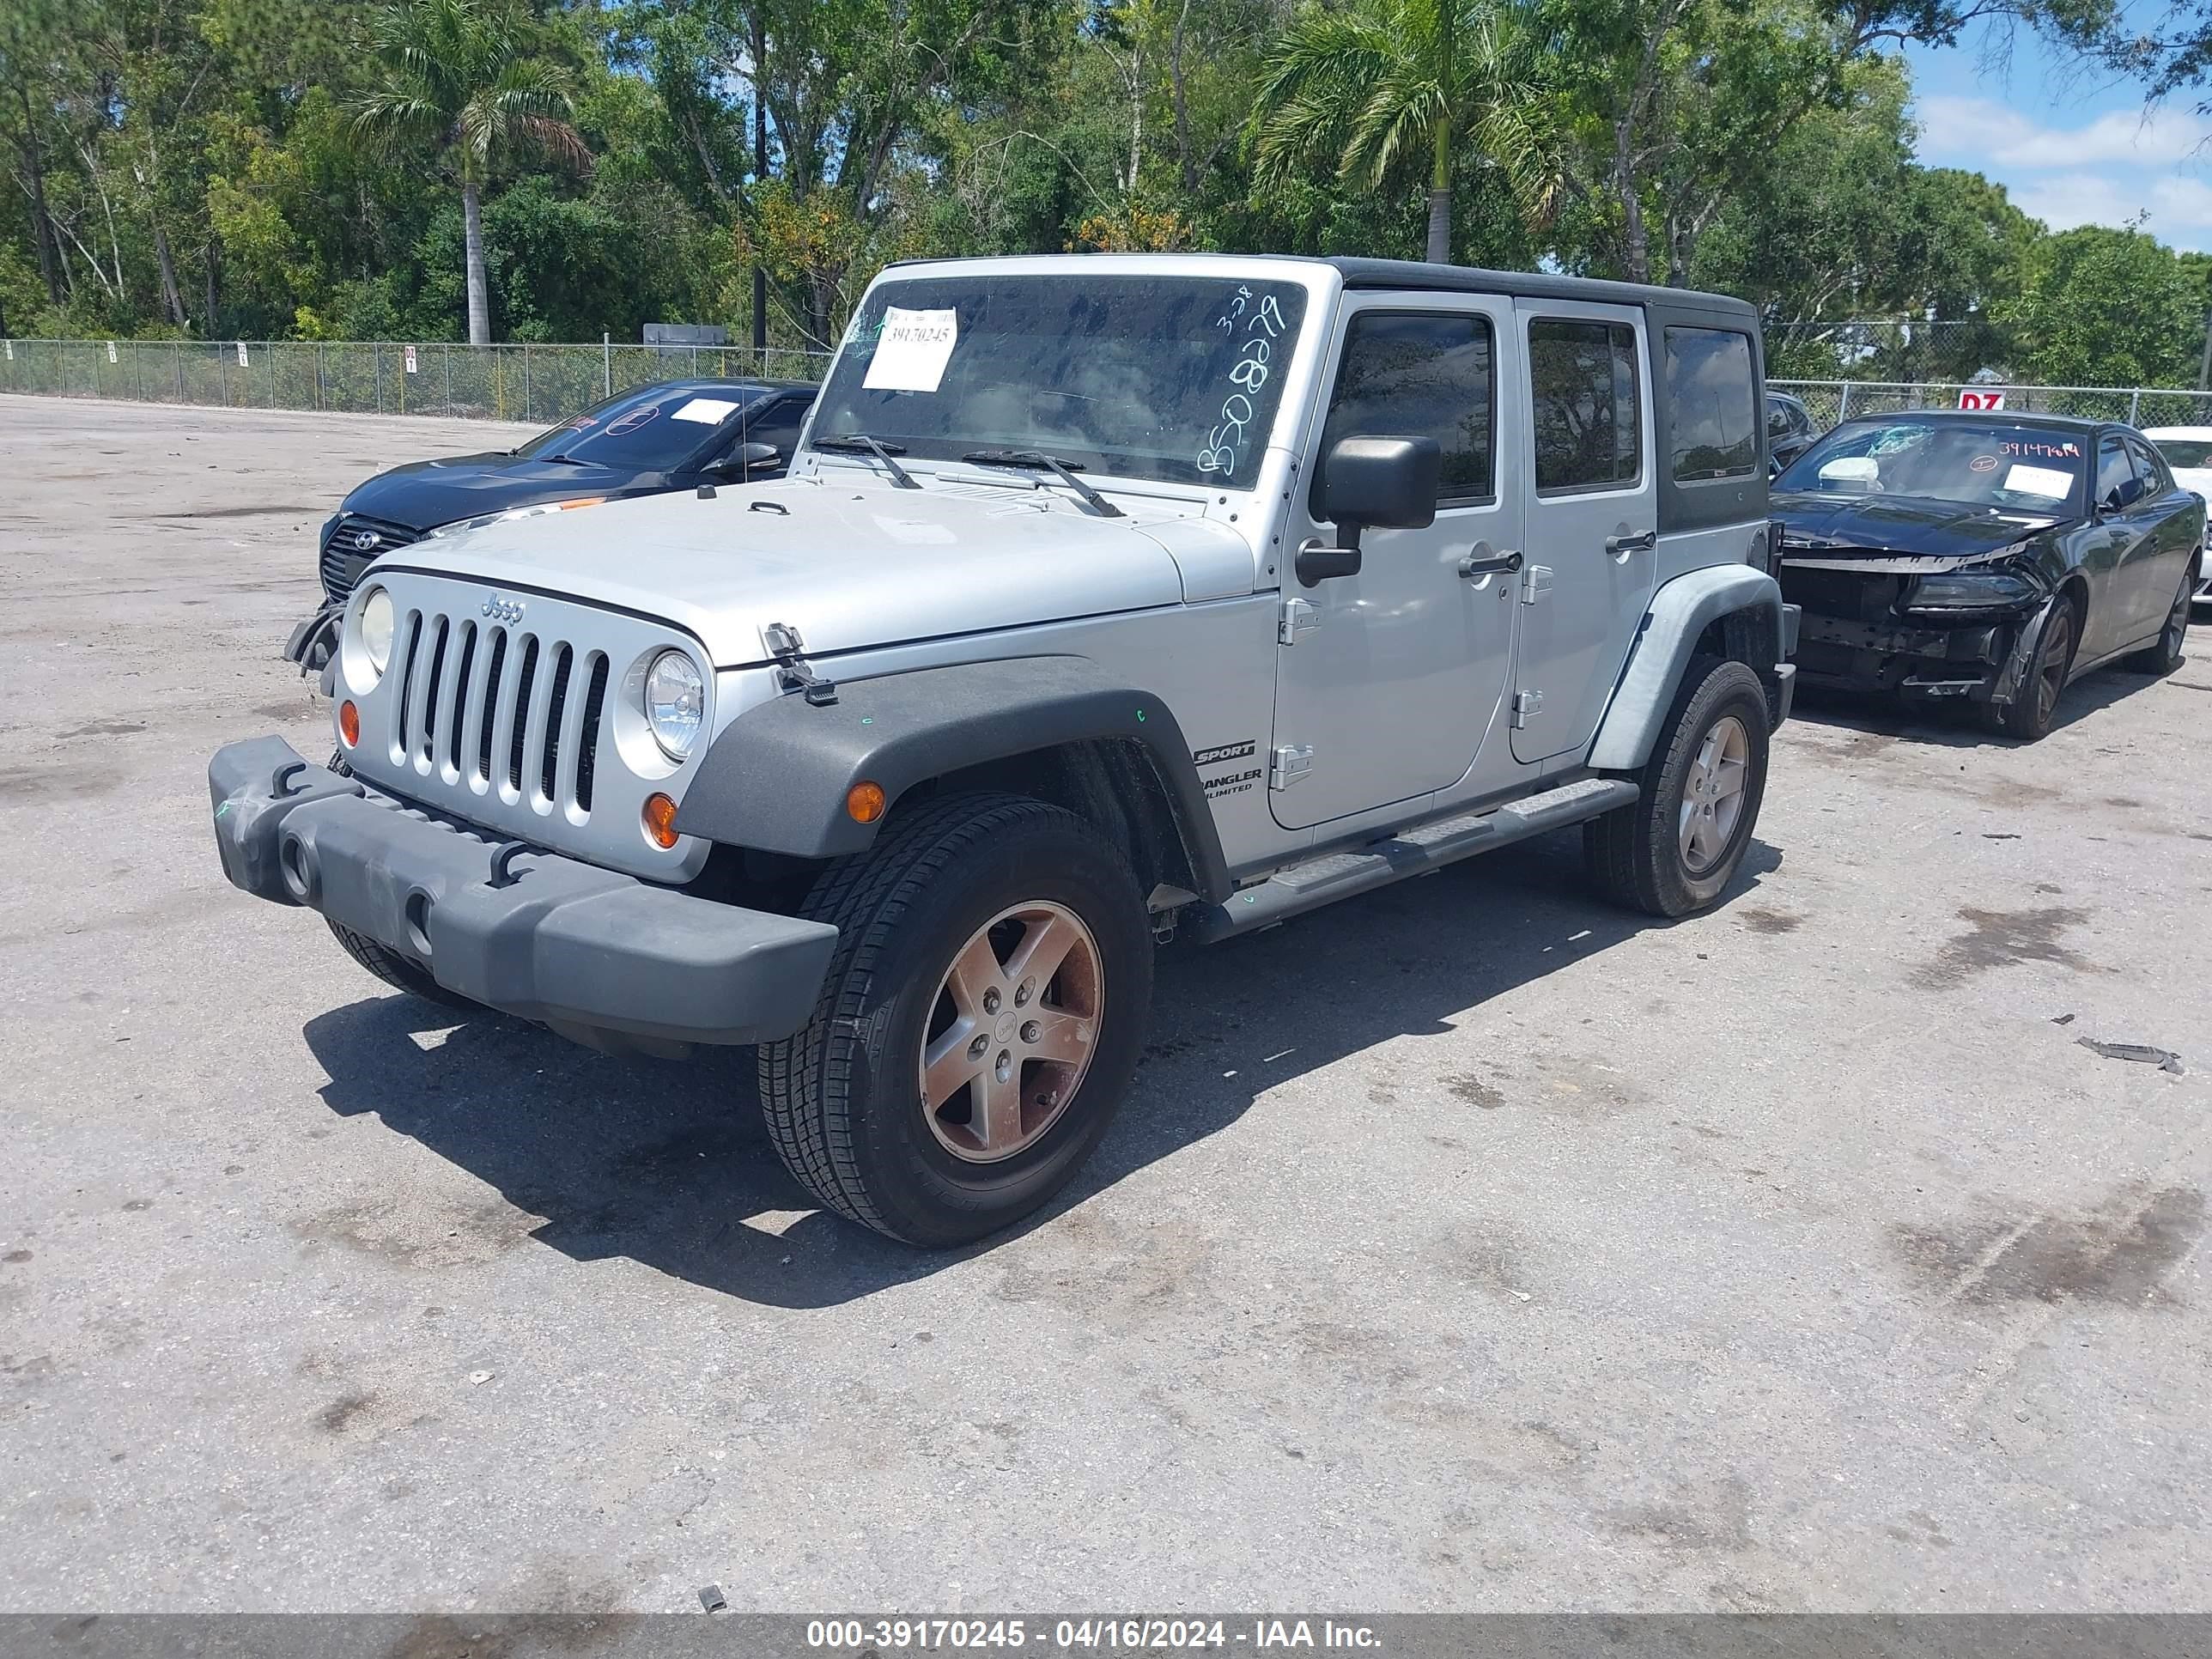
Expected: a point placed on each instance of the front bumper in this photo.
(1969, 661)
(600, 957)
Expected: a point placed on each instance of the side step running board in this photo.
(1306, 887)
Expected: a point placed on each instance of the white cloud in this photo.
(1983, 128)
(2120, 166)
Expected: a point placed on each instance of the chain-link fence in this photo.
(500, 382)
(1834, 401)
(550, 383)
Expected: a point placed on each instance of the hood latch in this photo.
(792, 671)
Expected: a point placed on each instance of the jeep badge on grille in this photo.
(506, 610)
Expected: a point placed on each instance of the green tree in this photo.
(459, 79)
(1385, 85)
(2099, 306)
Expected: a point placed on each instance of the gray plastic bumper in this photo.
(599, 955)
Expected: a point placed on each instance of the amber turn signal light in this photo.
(661, 821)
(865, 801)
(349, 723)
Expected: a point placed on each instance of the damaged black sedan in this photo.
(1986, 558)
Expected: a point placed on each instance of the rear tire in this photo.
(2168, 654)
(939, 1093)
(1674, 850)
(2027, 717)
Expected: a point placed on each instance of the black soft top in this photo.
(1536, 285)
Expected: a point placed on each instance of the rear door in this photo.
(2161, 557)
(1386, 680)
(1591, 509)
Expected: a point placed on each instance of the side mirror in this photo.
(740, 462)
(1386, 484)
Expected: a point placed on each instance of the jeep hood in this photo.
(848, 561)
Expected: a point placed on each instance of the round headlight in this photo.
(376, 628)
(675, 702)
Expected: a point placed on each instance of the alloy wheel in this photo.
(1011, 1031)
(1712, 795)
(2051, 669)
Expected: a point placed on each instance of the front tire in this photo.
(980, 1022)
(397, 971)
(2027, 717)
(2167, 654)
(1674, 850)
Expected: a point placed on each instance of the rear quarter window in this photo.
(1713, 402)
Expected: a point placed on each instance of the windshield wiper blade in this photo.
(876, 447)
(1038, 459)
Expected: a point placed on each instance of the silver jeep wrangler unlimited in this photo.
(1108, 598)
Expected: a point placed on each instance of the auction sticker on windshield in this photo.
(2039, 481)
(707, 412)
(913, 350)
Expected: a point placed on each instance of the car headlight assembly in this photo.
(376, 624)
(1973, 590)
(675, 702)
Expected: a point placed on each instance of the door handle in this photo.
(1618, 545)
(1482, 561)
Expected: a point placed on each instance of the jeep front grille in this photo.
(481, 706)
(521, 712)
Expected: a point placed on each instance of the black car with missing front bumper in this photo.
(1986, 559)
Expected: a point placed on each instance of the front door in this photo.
(1386, 680)
(1592, 519)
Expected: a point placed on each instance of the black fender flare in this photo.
(776, 777)
(1678, 615)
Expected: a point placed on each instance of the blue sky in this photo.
(2072, 144)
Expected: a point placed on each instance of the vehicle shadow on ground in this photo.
(1959, 725)
(667, 1162)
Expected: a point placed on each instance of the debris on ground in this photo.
(712, 1599)
(2061, 1019)
(2165, 1059)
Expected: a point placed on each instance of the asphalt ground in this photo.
(1468, 1246)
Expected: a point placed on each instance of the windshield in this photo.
(2186, 452)
(646, 429)
(1974, 463)
(1168, 378)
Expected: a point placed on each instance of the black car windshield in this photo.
(646, 429)
(1169, 378)
(1974, 463)
(2186, 452)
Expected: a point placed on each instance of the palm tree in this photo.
(457, 80)
(1383, 84)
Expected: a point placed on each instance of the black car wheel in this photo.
(979, 1024)
(2029, 715)
(2166, 655)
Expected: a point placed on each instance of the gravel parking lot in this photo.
(1468, 1246)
